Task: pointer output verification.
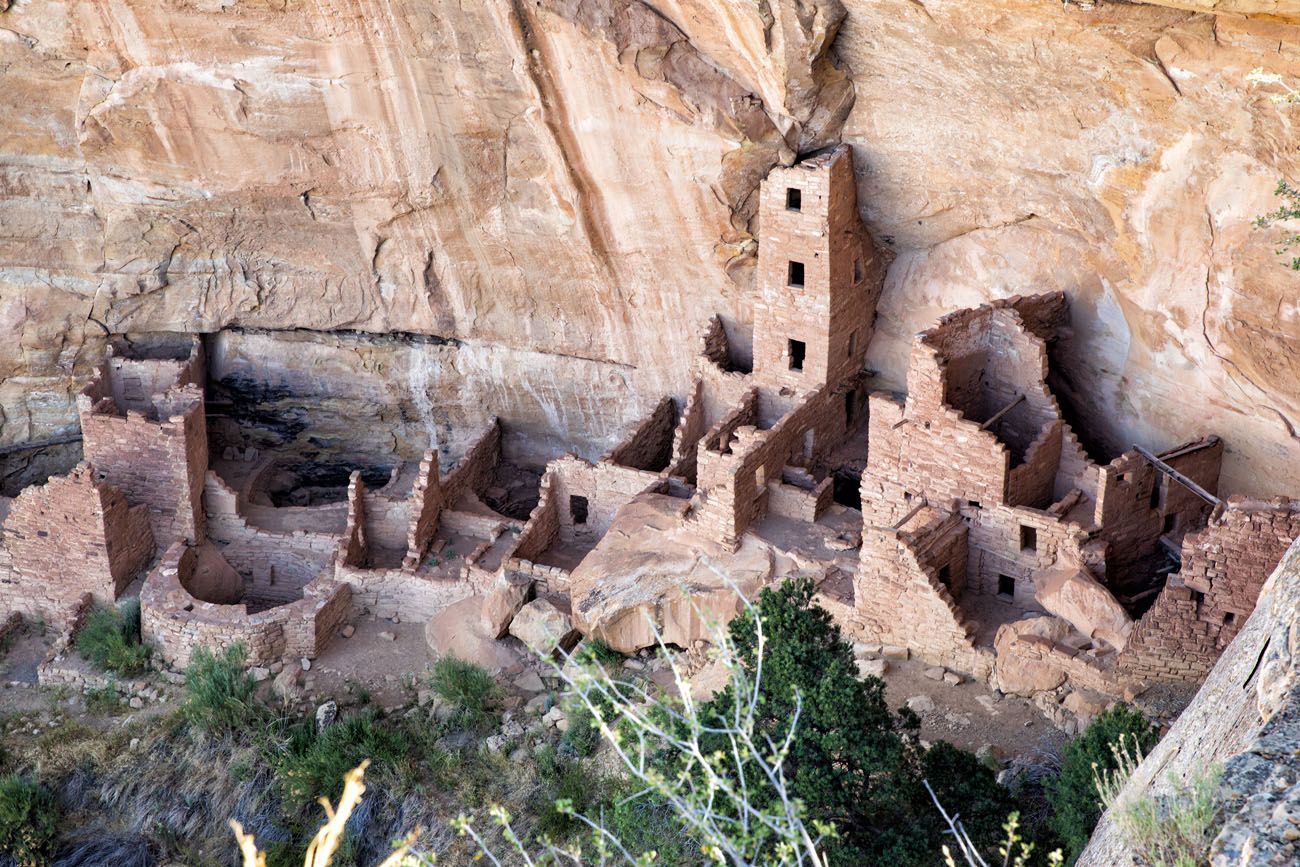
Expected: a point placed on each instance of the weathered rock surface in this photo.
(502, 604)
(394, 166)
(636, 581)
(543, 627)
(1075, 596)
(1246, 716)
(1022, 675)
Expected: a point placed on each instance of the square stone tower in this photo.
(819, 276)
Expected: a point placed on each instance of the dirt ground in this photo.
(970, 715)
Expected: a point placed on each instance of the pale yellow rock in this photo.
(1016, 673)
(1075, 596)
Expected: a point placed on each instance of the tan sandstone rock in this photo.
(543, 627)
(1017, 672)
(1075, 596)
(503, 603)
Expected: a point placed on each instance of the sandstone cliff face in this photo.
(570, 183)
(1246, 718)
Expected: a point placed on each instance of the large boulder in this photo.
(1075, 596)
(655, 571)
(1018, 666)
(503, 603)
(543, 627)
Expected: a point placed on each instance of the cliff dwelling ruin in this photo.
(963, 521)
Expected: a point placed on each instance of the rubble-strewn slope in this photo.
(1247, 716)
(575, 179)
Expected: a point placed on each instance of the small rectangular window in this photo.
(795, 275)
(797, 350)
(1028, 538)
(857, 271)
(1198, 597)
(1229, 618)
(578, 509)
(1155, 493)
(850, 405)
(793, 199)
(853, 343)
(1007, 586)
(974, 504)
(1171, 522)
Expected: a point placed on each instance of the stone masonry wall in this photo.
(176, 624)
(1204, 605)
(473, 474)
(160, 464)
(605, 487)
(276, 566)
(900, 598)
(650, 445)
(74, 535)
(426, 504)
(830, 306)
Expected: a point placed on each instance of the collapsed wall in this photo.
(1246, 717)
(73, 535)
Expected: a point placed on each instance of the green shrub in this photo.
(1076, 805)
(564, 780)
(596, 651)
(471, 688)
(583, 735)
(961, 780)
(1172, 829)
(29, 817)
(219, 690)
(646, 822)
(312, 765)
(109, 638)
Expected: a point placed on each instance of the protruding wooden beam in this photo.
(1177, 476)
(997, 416)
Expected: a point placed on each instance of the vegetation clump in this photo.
(29, 817)
(1174, 829)
(469, 688)
(109, 638)
(219, 689)
(1076, 803)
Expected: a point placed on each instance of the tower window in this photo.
(797, 351)
(793, 199)
(1007, 586)
(1229, 618)
(1171, 523)
(1028, 538)
(795, 274)
(578, 509)
(857, 270)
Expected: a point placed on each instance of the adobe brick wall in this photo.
(276, 566)
(833, 311)
(649, 446)
(74, 535)
(1204, 605)
(474, 473)
(176, 624)
(426, 504)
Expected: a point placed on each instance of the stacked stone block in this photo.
(75, 534)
